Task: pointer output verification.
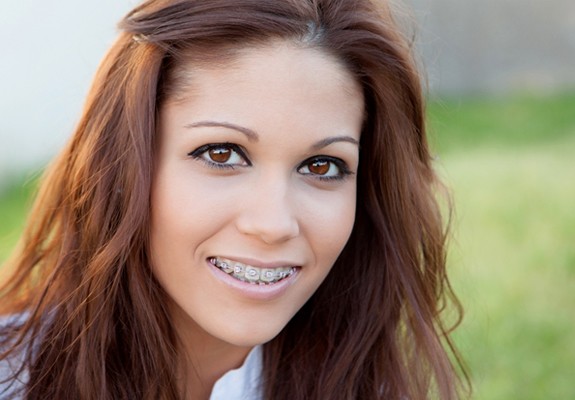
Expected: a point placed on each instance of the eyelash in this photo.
(199, 153)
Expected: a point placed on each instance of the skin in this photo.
(280, 105)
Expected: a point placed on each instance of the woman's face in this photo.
(254, 190)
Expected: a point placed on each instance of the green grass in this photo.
(513, 264)
(15, 202)
(511, 165)
(511, 123)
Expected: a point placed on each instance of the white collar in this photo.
(243, 383)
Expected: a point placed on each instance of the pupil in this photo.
(319, 167)
(220, 155)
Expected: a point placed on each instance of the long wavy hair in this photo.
(95, 323)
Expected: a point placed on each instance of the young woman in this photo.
(246, 210)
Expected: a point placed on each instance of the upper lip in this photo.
(258, 263)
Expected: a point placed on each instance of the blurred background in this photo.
(501, 89)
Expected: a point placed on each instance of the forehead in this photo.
(233, 64)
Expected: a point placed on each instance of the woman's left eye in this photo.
(325, 168)
(221, 155)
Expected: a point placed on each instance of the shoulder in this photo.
(13, 377)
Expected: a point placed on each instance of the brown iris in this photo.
(319, 167)
(220, 154)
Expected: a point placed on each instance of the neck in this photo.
(205, 359)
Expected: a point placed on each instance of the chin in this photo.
(250, 334)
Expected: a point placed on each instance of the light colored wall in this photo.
(49, 51)
(497, 46)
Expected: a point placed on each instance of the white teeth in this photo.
(251, 274)
(239, 269)
(267, 275)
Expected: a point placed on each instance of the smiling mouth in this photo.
(250, 274)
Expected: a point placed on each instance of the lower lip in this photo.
(251, 290)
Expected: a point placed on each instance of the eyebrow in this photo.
(251, 135)
(334, 139)
(254, 137)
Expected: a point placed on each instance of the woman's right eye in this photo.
(221, 155)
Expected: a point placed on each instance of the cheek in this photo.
(328, 225)
(175, 214)
(181, 203)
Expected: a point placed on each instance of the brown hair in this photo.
(96, 325)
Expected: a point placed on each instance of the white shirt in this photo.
(243, 383)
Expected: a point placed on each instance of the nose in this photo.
(268, 213)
